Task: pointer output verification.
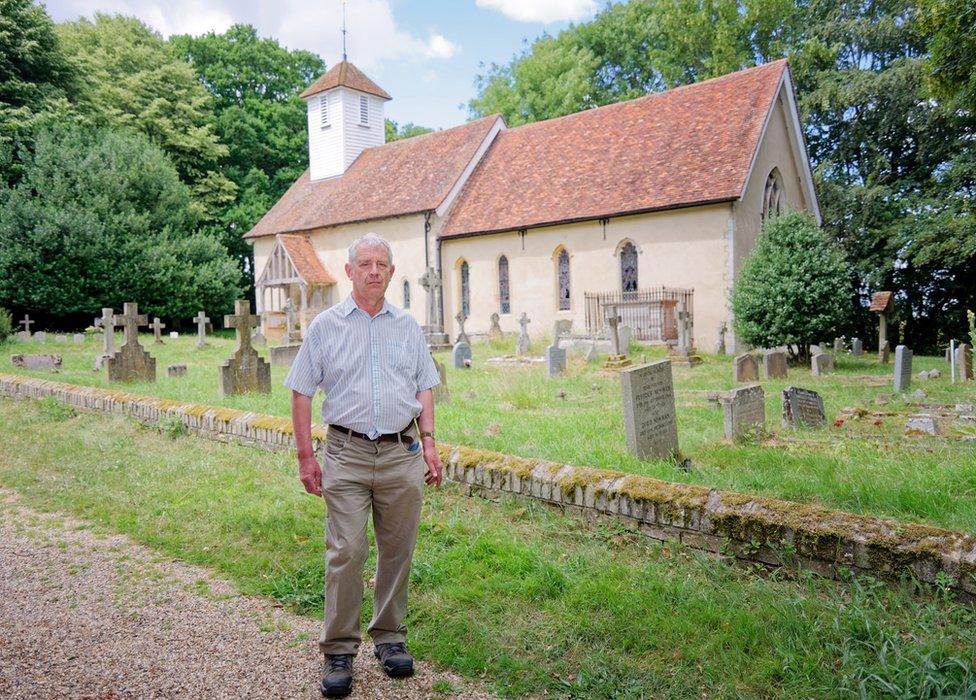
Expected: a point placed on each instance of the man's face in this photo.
(371, 272)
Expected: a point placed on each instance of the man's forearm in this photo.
(426, 418)
(301, 421)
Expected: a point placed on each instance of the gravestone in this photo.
(176, 370)
(283, 355)
(51, 362)
(821, 364)
(884, 353)
(616, 359)
(78, 338)
(590, 354)
(441, 394)
(201, 321)
(257, 339)
(174, 335)
(903, 368)
(107, 323)
(27, 323)
(857, 347)
(23, 336)
(131, 363)
(60, 338)
(522, 346)
(964, 362)
(157, 329)
(802, 408)
(431, 282)
(744, 412)
(40, 337)
(462, 336)
(720, 343)
(244, 371)
(745, 369)
(560, 328)
(461, 355)
(774, 364)
(649, 413)
(495, 331)
(291, 326)
(839, 345)
(684, 354)
(921, 424)
(556, 360)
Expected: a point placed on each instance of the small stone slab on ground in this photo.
(176, 370)
(51, 362)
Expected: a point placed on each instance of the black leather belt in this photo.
(385, 437)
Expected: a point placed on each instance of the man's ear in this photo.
(348, 269)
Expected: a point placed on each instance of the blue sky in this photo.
(425, 54)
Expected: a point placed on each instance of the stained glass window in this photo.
(563, 267)
(406, 294)
(465, 290)
(773, 195)
(505, 301)
(628, 268)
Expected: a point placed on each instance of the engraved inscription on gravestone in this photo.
(649, 412)
(744, 412)
(903, 368)
(556, 360)
(802, 408)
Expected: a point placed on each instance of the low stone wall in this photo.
(750, 528)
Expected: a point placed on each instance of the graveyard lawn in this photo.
(510, 593)
(859, 462)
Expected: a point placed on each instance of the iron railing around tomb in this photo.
(651, 313)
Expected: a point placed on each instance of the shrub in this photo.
(795, 288)
(6, 325)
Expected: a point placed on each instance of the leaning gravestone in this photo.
(884, 353)
(51, 362)
(176, 370)
(903, 368)
(461, 352)
(964, 362)
(802, 408)
(857, 347)
(744, 411)
(131, 363)
(441, 394)
(244, 371)
(821, 364)
(556, 360)
(745, 369)
(201, 320)
(649, 413)
(522, 346)
(774, 364)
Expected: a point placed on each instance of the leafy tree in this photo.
(395, 132)
(6, 325)
(99, 218)
(950, 26)
(792, 290)
(131, 80)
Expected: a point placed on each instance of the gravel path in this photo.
(90, 616)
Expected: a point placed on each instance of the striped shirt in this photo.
(370, 368)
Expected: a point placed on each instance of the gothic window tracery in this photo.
(504, 298)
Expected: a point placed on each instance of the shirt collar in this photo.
(349, 305)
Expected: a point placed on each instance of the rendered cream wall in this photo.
(677, 248)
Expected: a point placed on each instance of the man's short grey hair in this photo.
(369, 240)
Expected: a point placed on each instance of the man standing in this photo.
(371, 361)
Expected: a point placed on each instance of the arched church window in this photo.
(628, 268)
(465, 289)
(504, 299)
(406, 294)
(773, 203)
(562, 267)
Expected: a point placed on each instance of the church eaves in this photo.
(345, 74)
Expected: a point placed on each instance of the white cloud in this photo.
(440, 47)
(544, 11)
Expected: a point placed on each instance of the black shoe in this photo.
(337, 676)
(396, 660)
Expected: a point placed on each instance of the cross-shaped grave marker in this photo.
(431, 282)
(27, 323)
(245, 370)
(131, 362)
(130, 320)
(201, 321)
(462, 336)
(107, 323)
(613, 321)
(523, 340)
(157, 330)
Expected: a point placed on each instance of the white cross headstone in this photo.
(107, 323)
(201, 321)
(157, 330)
(522, 347)
(613, 321)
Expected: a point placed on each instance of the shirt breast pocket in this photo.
(399, 356)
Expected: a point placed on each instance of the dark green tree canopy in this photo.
(794, 289)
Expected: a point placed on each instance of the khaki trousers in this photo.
(358, 476)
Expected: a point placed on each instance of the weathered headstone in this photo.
(78, 338)
(51, 362)
(27, 323)
(802, 408)
(244, 371)
(884, 353)
(921, 424)
(201, 320)
(744, 412)
(257, 339)
(283, 355)
(964, 362)
(60, 338)
(903, 368)
(720, 343)
(745, 369)
(556, 360)
(461, 355)
(157, 329)
(23, 336)
(40, 337)
(560, 328)
(176, 370)
(649, 412)
(522, 346)
(495, 331)
(107, 323)
(441, 392)
(292, 334)
(616, 359)
(839, 345)
(431, 282)
(461, 319)
(774, 364)
(857, 347)
(821, 364)
(132, 362)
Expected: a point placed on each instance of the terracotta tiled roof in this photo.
(401, 177)
(348, 75)
(691, 145)
(881, 302)
(306, 262)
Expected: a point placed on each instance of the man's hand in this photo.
(310, 473)
(433, 461)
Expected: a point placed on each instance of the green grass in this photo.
(858, 467)
(512, 594)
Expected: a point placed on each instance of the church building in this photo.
(638, 208)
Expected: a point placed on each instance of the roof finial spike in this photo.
(343, 31)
